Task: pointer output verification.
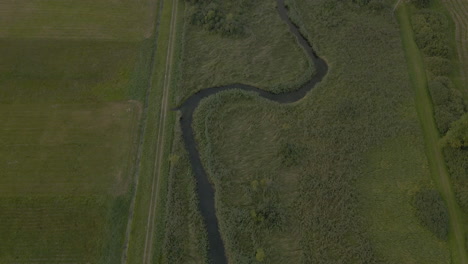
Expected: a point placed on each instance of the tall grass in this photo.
(298, 182)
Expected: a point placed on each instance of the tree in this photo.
(457, 136)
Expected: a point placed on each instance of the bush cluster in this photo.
(431, 35)
(448, 103)
(430, 31)
(432, 212)
(215, 17)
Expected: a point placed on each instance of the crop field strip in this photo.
(459, 11)
(51, 19)
(67, 76)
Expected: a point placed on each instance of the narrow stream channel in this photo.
(205, 191)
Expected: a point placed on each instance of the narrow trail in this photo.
(141, 133)
(205, 191)
(150, 230)
(434, 154)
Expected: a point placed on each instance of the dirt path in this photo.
(144, 117)
(147, 255)
(431, 137)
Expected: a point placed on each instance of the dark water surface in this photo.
(205, 191)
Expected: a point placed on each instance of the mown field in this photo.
(72, 78)
(459, 13)
(339, 177)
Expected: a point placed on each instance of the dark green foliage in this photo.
(457, 136)
(422, 3)
(457, 161)
(438, 66)
(432, 212)
(361, 2)
(430, 33)
(217, 17)
(291, 154)
(448, 103)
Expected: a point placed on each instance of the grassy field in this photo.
(70, 71)
(65, 172)
(262, 56)
(104, 19)
(73, 76)
(332, 178)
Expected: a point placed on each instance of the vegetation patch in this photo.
(266, 55)
(432, 212)
(319, 212)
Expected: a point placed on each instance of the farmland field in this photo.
(73, 78)
(459, 11)
(65, 172)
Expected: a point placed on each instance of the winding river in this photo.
(205, 191)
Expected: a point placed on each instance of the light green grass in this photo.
(102, 19)
(431, 135)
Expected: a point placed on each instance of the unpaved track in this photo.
(144, 117)
(147, 255)
(431, 137)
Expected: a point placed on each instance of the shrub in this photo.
(422, 3)
(457, 136)
(448, 103)
(212, 17)
(432, 212)
(260, 255)
(430, 33)
(438, 66)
